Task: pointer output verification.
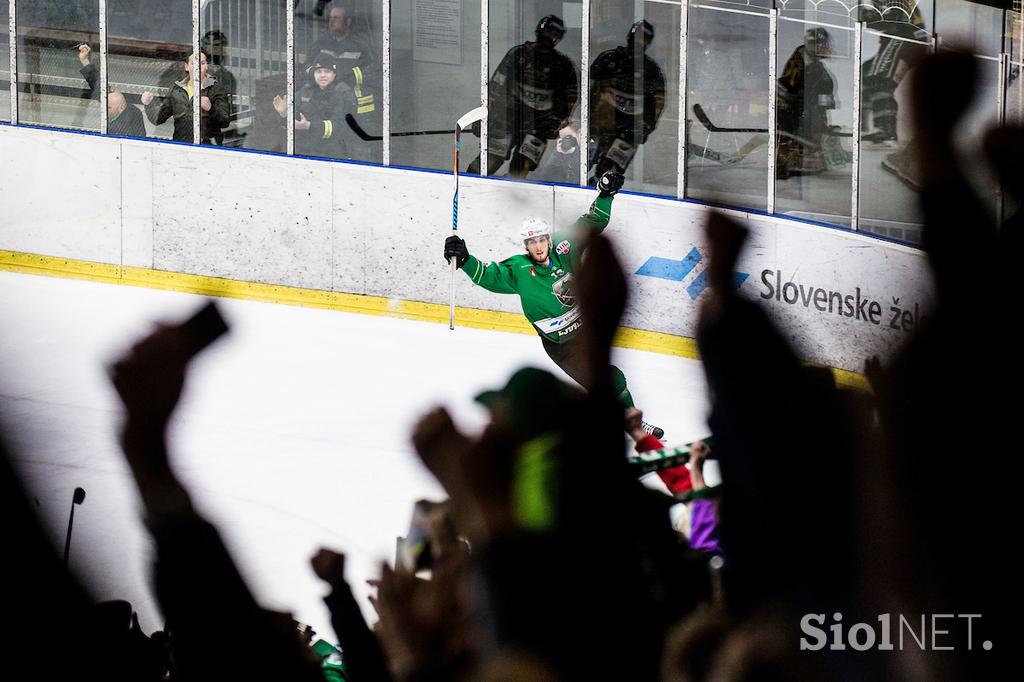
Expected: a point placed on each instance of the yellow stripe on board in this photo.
(52, 266)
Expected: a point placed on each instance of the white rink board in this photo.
(224, 215)
(378, 231)
(60, 195)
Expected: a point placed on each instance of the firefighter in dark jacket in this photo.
(215, 110)
(320, 108)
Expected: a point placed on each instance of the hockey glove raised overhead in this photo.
(610, 183)
(456, 246)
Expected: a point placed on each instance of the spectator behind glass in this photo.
(358, 68)
(215, 44)
(213, 105)
(320, 107)
(122, 119)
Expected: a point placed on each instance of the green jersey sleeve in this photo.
(599, 215)
(570, 244)
(496, 277)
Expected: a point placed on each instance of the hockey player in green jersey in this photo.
(543, 279)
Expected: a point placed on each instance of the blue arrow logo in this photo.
(678, 270)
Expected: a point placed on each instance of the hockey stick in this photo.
(698, 111)
(363, 135)
(705, 153)
(468, 119)
(705, 121)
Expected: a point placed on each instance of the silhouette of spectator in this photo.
(364, 659)
(122, 118)
(177, 105)
(196, 581)
(39, 595)
(102, 641)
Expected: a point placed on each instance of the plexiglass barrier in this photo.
(791, 107)
(5, 61)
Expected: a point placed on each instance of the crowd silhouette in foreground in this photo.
(552, 562)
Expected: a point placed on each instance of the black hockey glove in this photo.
(610, 183)
(456, 246)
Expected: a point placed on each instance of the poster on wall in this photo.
(437, 31)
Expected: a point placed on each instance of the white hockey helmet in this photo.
(534, 227)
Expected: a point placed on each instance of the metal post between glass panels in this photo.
(290, 71)
(683, 132)
(104, 114)
(12, 27)
(386, 81)
(1004, 69)
(257, 29)
(773, 142)
(858, 40)
(584, 140)
(1020, 94)
(197, 70)
(484, 45)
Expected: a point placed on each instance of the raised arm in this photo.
(496, 277)
(600, 212)
(197, 583)
(594, 220)
(158, 109)
(363, 655)
(89, 72)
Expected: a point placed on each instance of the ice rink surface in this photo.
(293, 432)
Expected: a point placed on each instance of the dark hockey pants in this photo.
(569, 356)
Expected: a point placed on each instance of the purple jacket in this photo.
(704, 526)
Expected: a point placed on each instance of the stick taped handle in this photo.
(451, 298)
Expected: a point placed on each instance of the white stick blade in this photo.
(471, 117)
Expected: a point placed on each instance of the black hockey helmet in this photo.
(643, 27)
(818, 43)
(553, 27)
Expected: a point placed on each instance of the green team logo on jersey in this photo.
(563, 291)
